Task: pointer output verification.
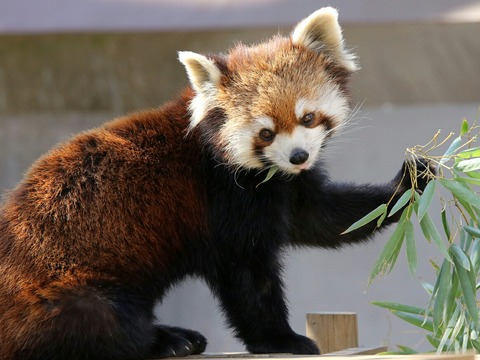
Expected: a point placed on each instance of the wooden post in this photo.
(333, 331)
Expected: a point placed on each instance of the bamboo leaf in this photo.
(461, 192)
(450, 302)
(476, 345)
(401, 202)
(273, 169)
(451, 149)
(469, 180)
(446, 227)
(468, 165)
(446, 339)
(433, 341)
(416, 320)
(466, 206)
(426, 199)
(441, 293)
(381, 218)
(390, 252)
(367, 218)
(431, 232)
(407, 350)
(464, 128)
(472, 231)
(460, 256)
(411, 248)
(400, 307)
(473, 174)
(475, 256)
(467, 289)
(459, 324)
(469, 153)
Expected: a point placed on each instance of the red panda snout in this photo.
(298, 156)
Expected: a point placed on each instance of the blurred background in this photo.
(67, 66)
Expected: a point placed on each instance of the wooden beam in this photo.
(333, 331)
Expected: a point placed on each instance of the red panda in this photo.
(103, 225)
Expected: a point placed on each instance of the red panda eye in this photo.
(308, 119)
(267, 135)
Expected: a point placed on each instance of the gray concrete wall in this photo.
(121, 72)
(415, 79)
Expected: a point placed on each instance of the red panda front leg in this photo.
(252, 297)
(322, 216)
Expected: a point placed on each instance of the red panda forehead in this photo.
(270, 79)
(277, 57)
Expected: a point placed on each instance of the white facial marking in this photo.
(329, 102)
(240, 140)
(310, 140)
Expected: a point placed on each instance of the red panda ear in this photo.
(321, 32)
(202, 71)
(204, 76)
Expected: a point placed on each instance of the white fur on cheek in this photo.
(329, 102)
(310, 140)
(239, 141)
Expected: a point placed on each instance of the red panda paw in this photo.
(177, 342)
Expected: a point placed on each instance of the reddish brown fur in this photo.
(278, 86)
(102, 225)
(127, 196)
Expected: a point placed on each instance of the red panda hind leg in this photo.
(175, 341)
(99, 322)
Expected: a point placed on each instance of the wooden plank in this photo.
(333, 331)
(359, 351)
(244, 356)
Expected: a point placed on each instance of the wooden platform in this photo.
(333, 356)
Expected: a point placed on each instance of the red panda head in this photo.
(273, 104)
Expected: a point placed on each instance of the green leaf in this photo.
(469, 153)
(428, 287)
(468, 165)
(271, 171)
(446, 227)
(447, 337)
(460, 256)
(473, 174)
(431, 233)
(400, 307)
(389, 254)
(407, 350)
(466, 206)
(464, 129)
(367, 218)
(451, 149)
(411, 248)
(433, 341)
(441, 293)
(473, 181)
(401, 202)
(450, 302)
(416, 320)
(461, 192)
(381, 218)
(475, 256)
(426, 199)
(468, 290)
(476, 345)
(472, 231)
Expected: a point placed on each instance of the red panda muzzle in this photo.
(298, 156)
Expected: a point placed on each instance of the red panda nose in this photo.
(298, 156)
